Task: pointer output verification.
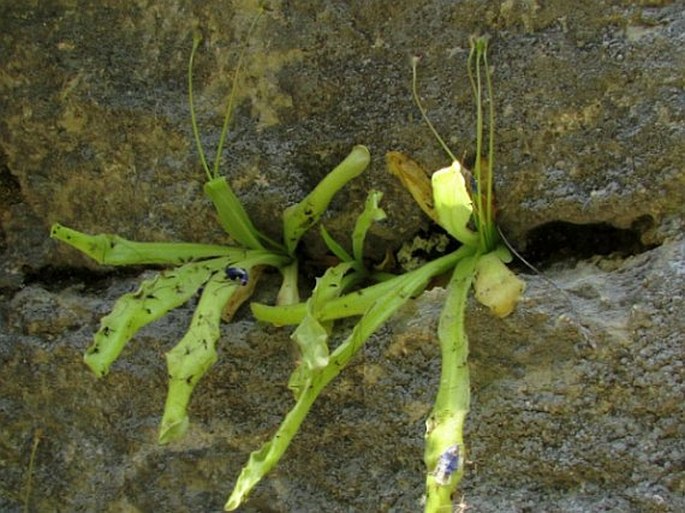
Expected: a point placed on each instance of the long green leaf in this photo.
(232, 216)
(445, 425)
(334, 246)
(193, 356)
(264, 459)
(372, 212)
(108, 249)
(153, 299)
(299, 218)
(156, 297)
(356, 303)
(311, 335)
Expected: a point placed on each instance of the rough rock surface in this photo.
(577, 397)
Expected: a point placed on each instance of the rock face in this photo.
(577, 397)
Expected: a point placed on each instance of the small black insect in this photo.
(237, 274)
(448, 464)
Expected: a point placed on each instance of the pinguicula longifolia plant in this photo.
(223, 275)
(463, 204)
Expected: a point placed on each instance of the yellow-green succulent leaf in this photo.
(453, 203)
(503, 253)
(372, 213)
(193, 356)
(334, 246)
(108, 249)
(289, 293)
(298, 380)
(444, 449)
(309, 387)
(311, 335)
(263, 257)
(232, 216)
(357, 302)
(327, 288)
(266, 457)
(279, 315)
(496, 286)
(154, 298)
(299, 218)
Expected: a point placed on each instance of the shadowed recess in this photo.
(558, 241)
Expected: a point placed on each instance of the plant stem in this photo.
(231, 98)
(489, 211)
(415, 94)
(484, 193)
(299, 218)
(197, 38)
